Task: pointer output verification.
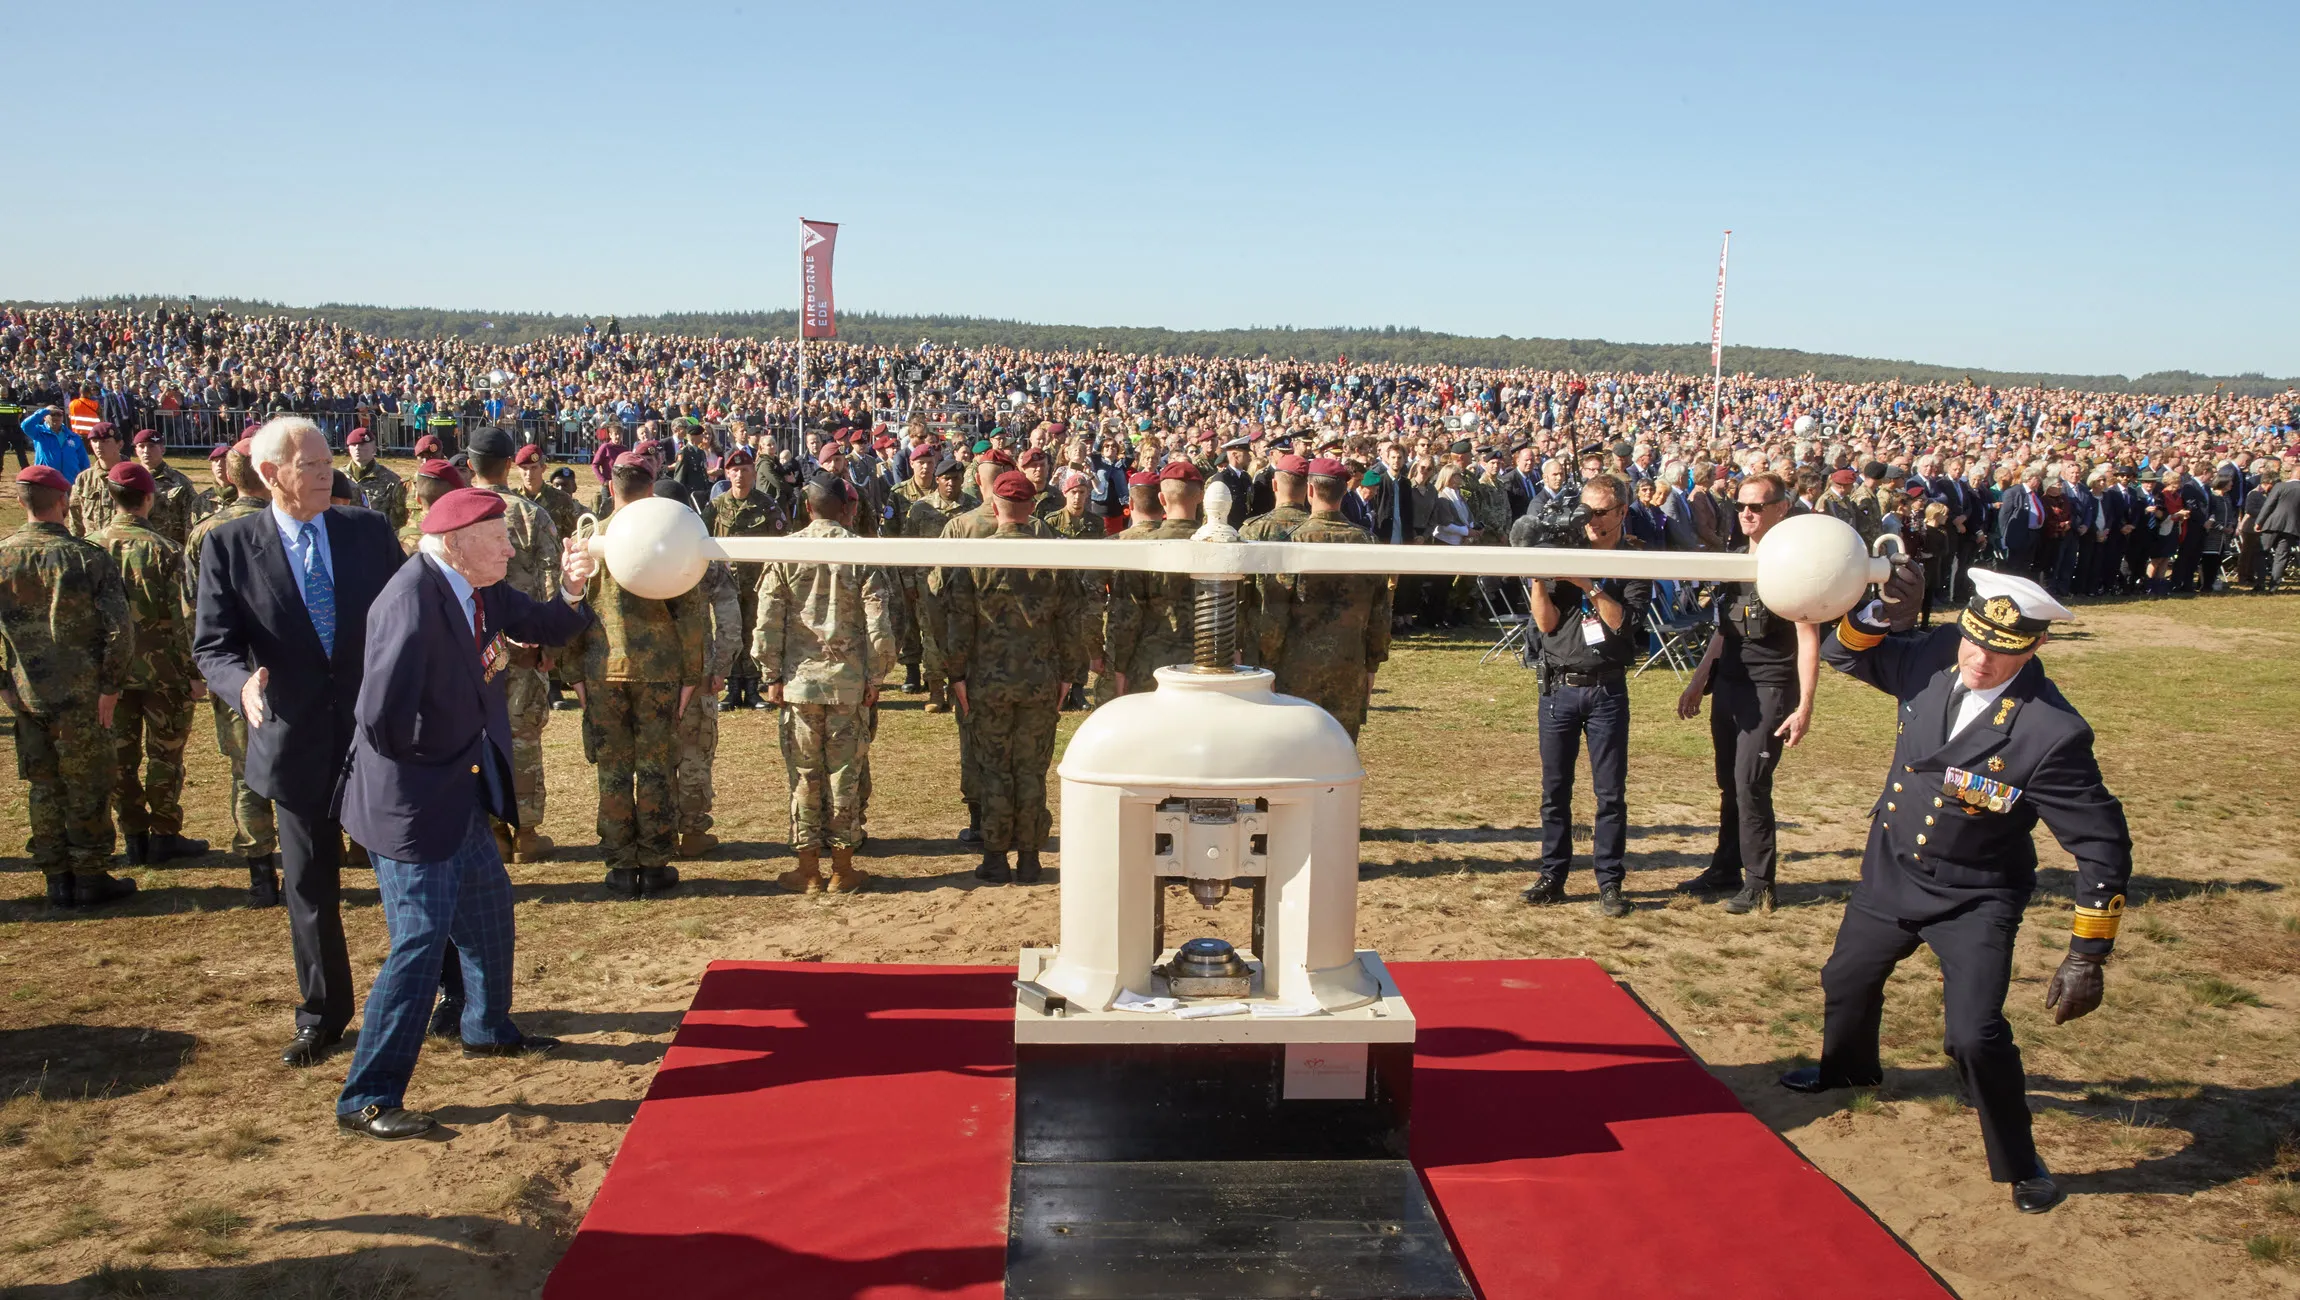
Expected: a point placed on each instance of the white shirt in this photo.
(1974, 704)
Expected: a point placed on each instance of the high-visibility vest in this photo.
(86, 415)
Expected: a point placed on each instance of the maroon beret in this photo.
(1012, 486)
(357, 436)
(246, 447)
(47, 476)
(527, 455)
(882, 443)
(103, 429)
(150, 436)
(1034, 456)
(739, 456)
(426, 443)
(129, 474)
(218, 452)
(462, 508)
(1843, 478)
(441, 470)
(1183, 470)
(1328, 467)
(999, 456)
(1290, 464)
(1141, 478)
(633, 460)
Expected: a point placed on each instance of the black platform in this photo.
(1227, 1230)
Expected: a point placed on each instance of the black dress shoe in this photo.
(308, 1046)
(1809, 1079)
(446, 1020)
(2038, 1194)
(1715, 880)
(168, 848)
(1548, 891)
(1026, 867)
(993, 870)
(531, 1045)
(385, 1123)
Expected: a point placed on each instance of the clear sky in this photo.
(2084, 187)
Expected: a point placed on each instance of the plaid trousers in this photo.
(467, 898)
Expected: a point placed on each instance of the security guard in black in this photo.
(1586, 631)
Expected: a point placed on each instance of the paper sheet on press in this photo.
(1129, 1000)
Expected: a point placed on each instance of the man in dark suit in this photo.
(1522, 479)
(430, 766)
(281, 631)
(1987, 748)
(2020, 523)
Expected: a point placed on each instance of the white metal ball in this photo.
(1812, 568)
(1804, 425)
(656, 548)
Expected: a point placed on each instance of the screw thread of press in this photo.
(1214, 627)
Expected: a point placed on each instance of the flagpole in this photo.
(1717, 341)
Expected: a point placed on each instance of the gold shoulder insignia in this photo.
(2004, 710)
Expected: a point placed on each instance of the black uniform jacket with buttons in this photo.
(1930, 853)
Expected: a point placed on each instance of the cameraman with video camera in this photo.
(1587, 631)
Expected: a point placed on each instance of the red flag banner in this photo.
(817, 315)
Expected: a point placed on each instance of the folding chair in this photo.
(1678, 628)
(1511, 623)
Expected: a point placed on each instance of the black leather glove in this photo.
(2075, 988)
(1903, 594)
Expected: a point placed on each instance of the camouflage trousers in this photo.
(745, 669)
(1339, 689)
(1149, 657)
(922, 641)
(698, 745)
(527, 694)
(631, 730)
(255, 833)
(1012, 749)
(149, 731)
(826, 754)
(67, 759)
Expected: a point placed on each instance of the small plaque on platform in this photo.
(1325, 1072)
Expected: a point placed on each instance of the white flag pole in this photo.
(1717, 340)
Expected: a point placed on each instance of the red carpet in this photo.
(827, 1132)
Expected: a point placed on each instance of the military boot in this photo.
(973, 832)
(531, 845)
(937, 698)
(264, 881)
(732, 697)
(807, 877)
(59, 889)
(912, 683)
(96, 888)
(658, 880)
(162, 847)
(137, 849)
(846, 877)
(993, 870)
(1026, 867)
(624, 881)
(694, 844)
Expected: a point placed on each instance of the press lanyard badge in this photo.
(1592, 627)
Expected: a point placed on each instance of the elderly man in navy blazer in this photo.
(430, 764)
(280, 635)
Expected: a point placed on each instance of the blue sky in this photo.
(2092, 188)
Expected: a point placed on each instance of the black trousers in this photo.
(1743, 716)
(1599, 716)
(1975, 945)
(311, 864)
(2281, 547)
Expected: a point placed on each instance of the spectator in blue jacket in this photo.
(54, 443)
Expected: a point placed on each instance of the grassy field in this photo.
(150, 1141)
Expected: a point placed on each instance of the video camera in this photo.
(1560, 521)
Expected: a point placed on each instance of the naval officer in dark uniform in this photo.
(1988, 748)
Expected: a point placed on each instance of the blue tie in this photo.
(318, 588)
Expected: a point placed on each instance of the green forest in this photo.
(1386, 344)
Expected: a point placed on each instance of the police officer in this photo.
(1017, 640)
(1987, 747)
(153, 718)
(65, 641)
(744, 511)
(1763, 669)
(1588, 634)
(642, 665)
(255, 832)
(824, 640)
(534, 573)
(1325, 635)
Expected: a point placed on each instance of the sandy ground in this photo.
(152, 1143)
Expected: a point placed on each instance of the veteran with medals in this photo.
(1987, 747)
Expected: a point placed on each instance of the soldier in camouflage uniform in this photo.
(65, 640)
(534, 572)
(925, 514)
(642, 666)
(1326, 634)
(153, 718)
(386, 492)
(1871, 503)
(1289, 489)
(977, 521)
(91, 507)
(1072, 521)
(1151, 614)
(255, 834)
(533, 471)
(699, 725)
(824, 640)
(1837, 503)
(433, 480)
(175, 499)
(1017, 641)
(744, 511)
